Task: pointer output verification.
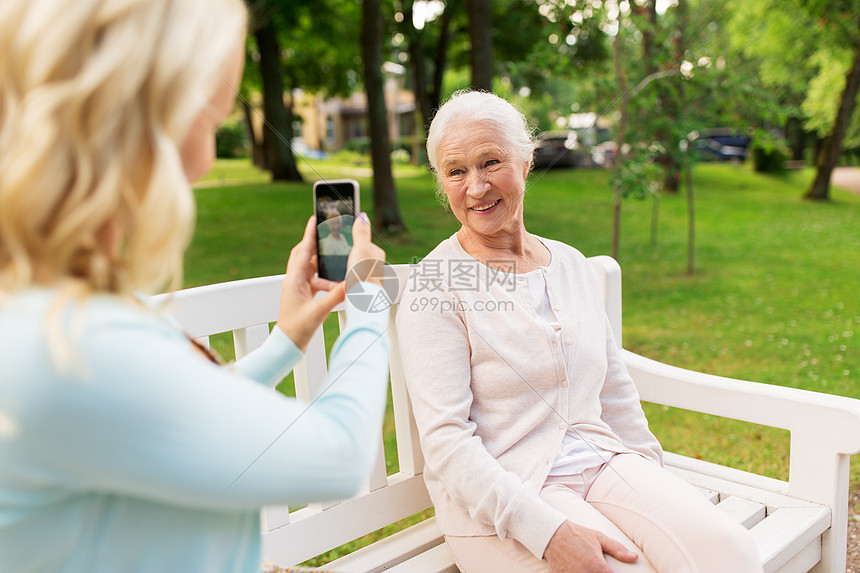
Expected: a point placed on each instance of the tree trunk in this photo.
(619, 141)
(385, 207)
(691, 221)
(648, 33)
(441, 59)
(419, 67)
(828, 157)
(671, 105)
(796, 137)
(687, 165)
(655, 218)
(278, 154)
(481, 35)
(257, 156)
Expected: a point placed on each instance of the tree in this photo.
(693, 71)
(539, 52)
(798, 44)
(386, 209)
(272, 151)
(312, 45)
(277, 152)
(481, 35)
(428, 55)
(830, 151)
(619, 183)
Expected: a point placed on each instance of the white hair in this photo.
(476, 106)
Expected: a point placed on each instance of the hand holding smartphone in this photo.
(336, 205)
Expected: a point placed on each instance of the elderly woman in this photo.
(538, 454)
(123, 447)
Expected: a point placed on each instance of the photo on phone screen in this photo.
(335, 206)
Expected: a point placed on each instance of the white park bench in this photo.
(798, 525)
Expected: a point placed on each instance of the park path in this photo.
(847, 178)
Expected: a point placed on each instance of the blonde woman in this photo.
(122, 447)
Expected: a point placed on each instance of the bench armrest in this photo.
(826, 417)
(825, 432)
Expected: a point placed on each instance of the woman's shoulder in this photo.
(436, 264)
(572, 268)
(446, 250)
(42, 308)
(432, 275)
(48, 339)
(563, 250)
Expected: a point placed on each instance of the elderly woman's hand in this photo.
(577, 549)
(301, 312)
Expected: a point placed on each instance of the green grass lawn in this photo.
(774, 297)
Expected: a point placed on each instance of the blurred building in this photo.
(330, 125)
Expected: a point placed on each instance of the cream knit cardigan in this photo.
(493, 392)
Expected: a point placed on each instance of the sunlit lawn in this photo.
(774, 297)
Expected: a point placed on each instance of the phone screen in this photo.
(335, 205)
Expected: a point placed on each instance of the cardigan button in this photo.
(564, 383)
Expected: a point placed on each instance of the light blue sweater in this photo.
(147, 457)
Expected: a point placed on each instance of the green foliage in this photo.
(350, 157)
(319, 40)
(231, 140)
(822, 101)
(768, 152)
(801, 50)
(768, 160)
(400, 156)
(537, 42)
(359, 145)
(777, 34)
(634, 177)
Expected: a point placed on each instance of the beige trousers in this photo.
(662, 518)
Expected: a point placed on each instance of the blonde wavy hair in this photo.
(96, 96)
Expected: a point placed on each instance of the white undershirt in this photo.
(575, 455)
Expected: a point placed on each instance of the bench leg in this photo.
(810, 462)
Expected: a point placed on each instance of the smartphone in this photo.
(336, 206)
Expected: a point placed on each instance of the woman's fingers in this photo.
(301, 311)
(325, 304)
(615, 549)
(366, 260)
(318, 284)
(302, 255)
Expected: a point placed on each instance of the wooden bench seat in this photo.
(798, 525)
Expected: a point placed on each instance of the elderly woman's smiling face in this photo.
(483, 179)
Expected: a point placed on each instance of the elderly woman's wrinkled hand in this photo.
(577, 549)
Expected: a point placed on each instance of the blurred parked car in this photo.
(561, 149)
(723, 145)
